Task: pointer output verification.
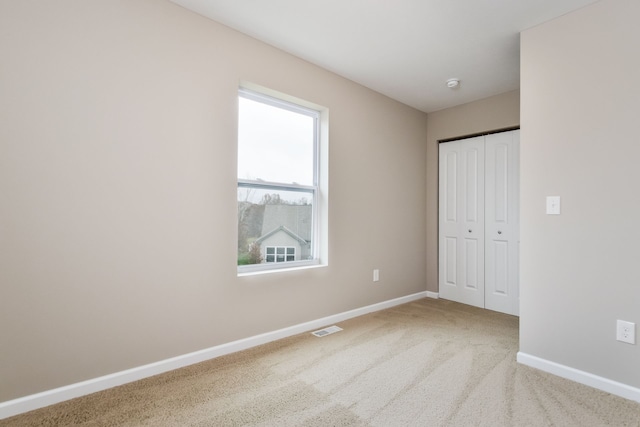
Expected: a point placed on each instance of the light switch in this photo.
(553, 205)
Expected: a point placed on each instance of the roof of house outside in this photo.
(297, 219)
(283, 229)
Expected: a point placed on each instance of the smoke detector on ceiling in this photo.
(453, 83)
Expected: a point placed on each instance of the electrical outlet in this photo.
(376, 275)
(626, 332)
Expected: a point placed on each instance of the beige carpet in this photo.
(426, 363)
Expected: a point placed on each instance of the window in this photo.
(278, 183)
(280, 254)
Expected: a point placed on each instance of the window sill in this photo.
(277, 269)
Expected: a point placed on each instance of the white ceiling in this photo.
(405, 49)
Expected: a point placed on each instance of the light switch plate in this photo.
(553, 205)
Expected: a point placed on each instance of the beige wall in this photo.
(494, 113)
(117, 184)
(579, 140)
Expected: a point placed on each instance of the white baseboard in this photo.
(57, 395)
(582, 377)
(433, 295)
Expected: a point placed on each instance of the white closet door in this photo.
(502, 222)
(461, 221)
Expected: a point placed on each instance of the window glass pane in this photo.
(274, 222)
(274, 144)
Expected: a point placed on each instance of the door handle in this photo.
(470, 230)
(499, 232)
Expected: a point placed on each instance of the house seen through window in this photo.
(277, 182)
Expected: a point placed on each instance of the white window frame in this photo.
(314, 189)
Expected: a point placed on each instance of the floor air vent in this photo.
(327, 331)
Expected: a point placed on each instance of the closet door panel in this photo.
(461, 220)
(450, 260)
(502, 222)
(448, 220)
